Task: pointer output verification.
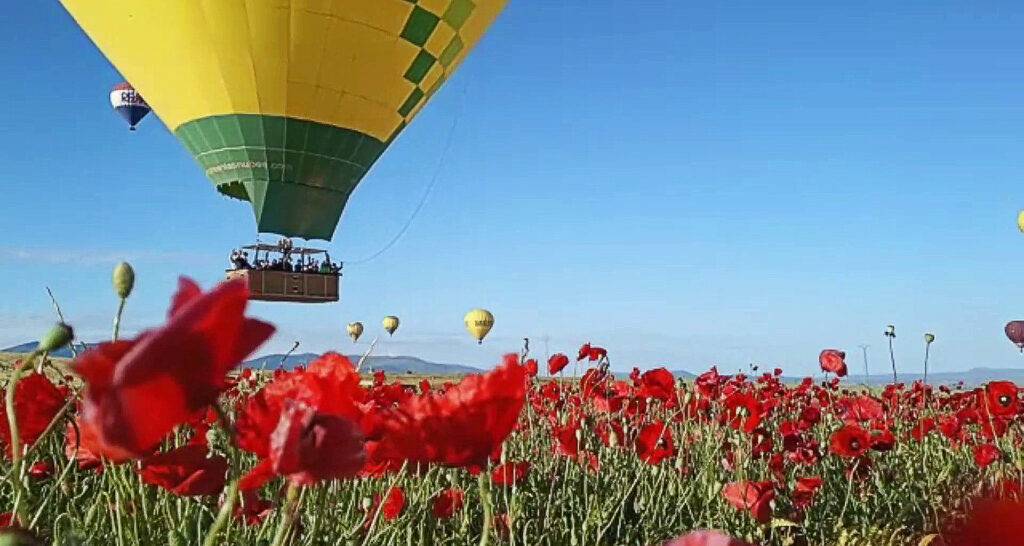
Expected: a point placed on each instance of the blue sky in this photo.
(685, 183)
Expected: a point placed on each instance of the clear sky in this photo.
(685, 183)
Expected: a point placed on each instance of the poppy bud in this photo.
(928, 338)
(58, 336)
(890, 331)
(124, 280)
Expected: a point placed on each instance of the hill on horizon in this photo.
(972, 377)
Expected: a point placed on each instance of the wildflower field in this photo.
(160, 439)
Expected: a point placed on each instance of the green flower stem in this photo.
(485, 499)
(117, 318)
(20, 494)
(223, 515)
(288, 515)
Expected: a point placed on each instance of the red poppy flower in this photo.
(743, 411)
(922, 428)
(394, 504)
(833, 361)
(610, 433)
(567, 443)
(591, 353)
(509, 474)
(659, 384)
(138, 391)
(753, 496)
(1001, 398)
(986, 454)
(804, 491)
(186, 471)
(860, 408)
(850, 441)
(706, 538)
(654, 443)
(531, 367)
(447, 503)
(40, 470)
(882, 440)
(36, 402)
(310, 447)
(462, 427)
(557, 363)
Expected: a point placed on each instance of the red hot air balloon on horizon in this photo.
(1015, 331)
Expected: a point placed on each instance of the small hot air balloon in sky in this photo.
(129, 104)
(479, 322)
(1020, 221)
(390, 324)
(1015, 332)
(286, 104)
(355, 329)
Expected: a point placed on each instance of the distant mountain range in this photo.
(387, 364)
(406, 364)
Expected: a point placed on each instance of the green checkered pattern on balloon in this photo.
(422, 29)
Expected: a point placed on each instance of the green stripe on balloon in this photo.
(297, 174)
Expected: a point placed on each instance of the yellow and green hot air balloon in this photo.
(390, 324)
(1020, 221)
(354, 329)
(479, 323)
(287, 103)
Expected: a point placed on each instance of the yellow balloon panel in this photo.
(364, 65)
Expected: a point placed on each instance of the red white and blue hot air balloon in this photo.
(129, 104)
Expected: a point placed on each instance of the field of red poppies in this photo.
(160, 440)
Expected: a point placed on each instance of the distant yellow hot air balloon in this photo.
(1020, 221)
(479, 322)
(355, 329)
(390, 324)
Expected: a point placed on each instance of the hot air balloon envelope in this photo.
(355, 329)
(128, 104)
(1015, 332)
(390, 324)
(1020, 221)
(287, 103)
(479, 323)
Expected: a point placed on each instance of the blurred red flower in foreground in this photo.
(706, 538)
(447, 503)
(850, 441)
(753, 496)
(557, 363)
(833, 361)
(137, 391)
(304, 424)
(186, 471)
(36, 402)
(462, 427)
(990, 522)
(310, 447)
